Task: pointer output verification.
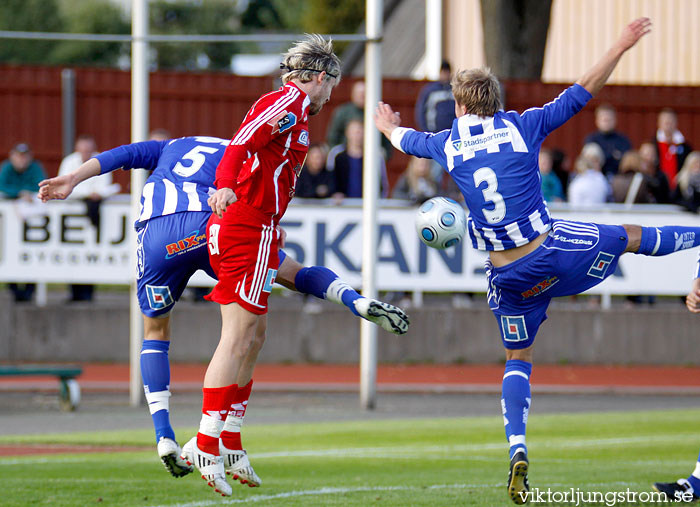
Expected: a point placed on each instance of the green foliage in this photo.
(28, 15)
(345, 16)
(92, 16)
(183, 17)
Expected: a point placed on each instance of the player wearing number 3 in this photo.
(492, 156)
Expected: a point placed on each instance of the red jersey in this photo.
(265, 157)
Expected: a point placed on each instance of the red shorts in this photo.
(243, 254)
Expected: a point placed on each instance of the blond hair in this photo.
(478, 90)
(308, 57)
(683, 178)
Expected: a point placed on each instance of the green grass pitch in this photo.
(397, 462)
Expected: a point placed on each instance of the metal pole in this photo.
(370, 191)
(67, 111)
(139, 132)
(433, 39)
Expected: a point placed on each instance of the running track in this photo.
(401, 378)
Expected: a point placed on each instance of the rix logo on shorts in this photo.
(514, 329)
(159, 297)
(194, 240)
(600, 265)
(541, 287)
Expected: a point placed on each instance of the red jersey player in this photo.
(255, 181)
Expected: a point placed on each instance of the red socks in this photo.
(215, 408)
(231, 434)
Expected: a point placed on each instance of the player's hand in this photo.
(220, 200)
(282, 235)
(386, 119)
(692, 300)
(59, 187)
(633, 32)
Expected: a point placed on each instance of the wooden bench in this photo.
(69, 389)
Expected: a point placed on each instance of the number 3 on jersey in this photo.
(498, 213)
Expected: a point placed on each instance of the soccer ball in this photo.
(441, 222)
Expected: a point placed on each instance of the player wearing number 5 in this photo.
(492, 156)
(171, 232)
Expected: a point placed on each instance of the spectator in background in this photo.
(552, 190)
(655, 179)
(353, 110)
(416, 184)
(671, 148)
(435, 111)
(613, 143)
(589, 187)
(315, 181)
(159, 134)
(92, 192)
(20, 175)
(629, 185)
(345, 163)
(435, 108)
(688, 189)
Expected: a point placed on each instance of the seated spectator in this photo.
(688, 190)
(20, 175)
(416, 183)
(613, 143)
(348, 111)
(657, 183)
(551, 186)
(91, 191)
(315, 181)
(589, 187)
(345, 162)
(629, 185)
(671, 148)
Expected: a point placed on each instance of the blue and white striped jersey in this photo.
(183, 172)
(493, 161)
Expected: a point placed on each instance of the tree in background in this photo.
(213, 17)
(29, 15)
(92, 16)
(515, 36)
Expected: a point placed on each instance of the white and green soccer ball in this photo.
(441, 222)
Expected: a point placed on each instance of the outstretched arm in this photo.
(61, 187)
(386, 119)
(597, 76)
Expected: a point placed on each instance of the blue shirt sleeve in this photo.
(426, 145)
(143, 155)
(539, 122)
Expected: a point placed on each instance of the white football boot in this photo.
(210, 467)
(169, 453)
(238, 466)
(389, 317)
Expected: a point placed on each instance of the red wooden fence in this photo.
(214, 103)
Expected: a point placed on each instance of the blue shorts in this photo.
(170, 249)
(574, 257)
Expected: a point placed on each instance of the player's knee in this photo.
(634, 237)
(520, 354)
(287, 273)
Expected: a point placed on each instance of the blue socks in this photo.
(155, 372)
(658, 241)
(325, 284)
(515, 402)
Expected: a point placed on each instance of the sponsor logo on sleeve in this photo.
(283, 122)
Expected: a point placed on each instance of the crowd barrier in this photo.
(56, 243)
